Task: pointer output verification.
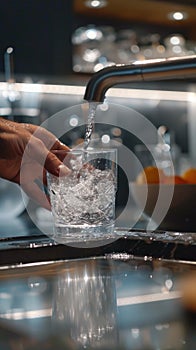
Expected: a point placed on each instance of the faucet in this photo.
(149, 70)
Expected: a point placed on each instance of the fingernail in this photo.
(63, 170)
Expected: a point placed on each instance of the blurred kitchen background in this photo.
(49, 49)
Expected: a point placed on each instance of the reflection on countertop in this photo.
(111, 302)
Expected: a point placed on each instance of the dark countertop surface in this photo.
(22, 242)
(121, 295)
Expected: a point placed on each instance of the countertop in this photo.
(121, 295)
(22, 242)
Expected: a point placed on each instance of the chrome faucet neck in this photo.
(150, 70)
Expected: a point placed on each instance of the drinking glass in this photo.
(83, 202)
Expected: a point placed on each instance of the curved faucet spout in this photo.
(150, 70)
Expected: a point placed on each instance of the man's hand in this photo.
(26, 152)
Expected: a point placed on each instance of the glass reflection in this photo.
(98, 303)
(85, 302)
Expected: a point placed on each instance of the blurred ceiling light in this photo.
(174, 40)
(177, 49)
(91, 55)
(73, 121)
(93, 34)
(95, 3)
(105, 138)
(177, 16)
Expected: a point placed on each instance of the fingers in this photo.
(28, 152)
(34, 191)
(58, 145)
(37, 160)
(47, 150)
(49, 139)
(54, 166)
(60, 154)
(37, 150)
(31, 182)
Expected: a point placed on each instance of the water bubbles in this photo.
(90, 124)
(84, 197)
(76, 164)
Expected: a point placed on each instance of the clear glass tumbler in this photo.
(83, 202)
